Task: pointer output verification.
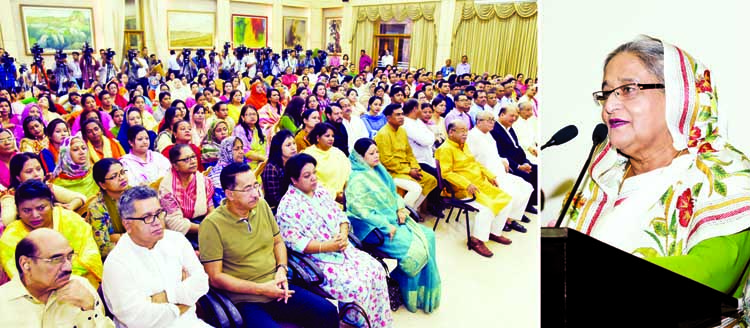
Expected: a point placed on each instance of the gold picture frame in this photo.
(191, 29)
(57, 27)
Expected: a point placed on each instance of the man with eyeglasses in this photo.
(46, 293)
(34, 205)
(152, 278)
(243, 253)
(185, 193)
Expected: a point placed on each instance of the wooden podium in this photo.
(587, 283)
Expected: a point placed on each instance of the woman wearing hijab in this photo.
(230, 151)
(73, 170)
(666, 185)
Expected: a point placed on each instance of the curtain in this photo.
(498, 39)
(155, 26)
(118, 24)
(423, 39)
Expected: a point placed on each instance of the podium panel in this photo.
(588, 283)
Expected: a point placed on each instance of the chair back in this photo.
(259, 169)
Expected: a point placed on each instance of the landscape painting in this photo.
(252, 31)
(54, 28)
(187, 29)
(295, 32)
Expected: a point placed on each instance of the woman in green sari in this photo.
(372, 203)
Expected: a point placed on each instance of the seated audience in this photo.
(509, 148)
(134, 117)
(374, 119)
(230, 151)
(312, 223)
(469, 178)
(102, 212)
(334, 167)
(292, 118)
(8, 148)
(182, 135)
(340, 136)
(185, 193)
(73, 170)
(210, 149)
(45, 293)
(399, 160)
(526, 131)
(253, 273)
(253, 138)
(310, 118)
(165, 137)
(372, 203)
(56, 131)
(353, 125)
(282, 148)
(99, 145)
(142, 165)
(27, 166)
(34, 139)
(152, 278)
(35, 207)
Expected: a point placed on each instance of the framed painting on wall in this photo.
(190, 29)
(333, 35)
(295, 32)
(54, 28)
(252, 31)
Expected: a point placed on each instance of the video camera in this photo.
(132, 53)
(87, 50)
(200, 53)
(37, 51)
(186, 52)
(109, 54)
(6, 59)
(242, 51)
(60, 55)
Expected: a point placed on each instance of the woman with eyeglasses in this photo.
(73, 169)
(311, 223)
(666, 185)
(182, 135)
(27, 166)
(185, 193)
(143, 165)
(230, 151)
(210, 149)
(112, 178)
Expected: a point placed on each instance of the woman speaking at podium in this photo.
(666, 185)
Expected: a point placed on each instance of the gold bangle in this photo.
(320, 245)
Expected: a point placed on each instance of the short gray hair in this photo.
(485, 116)
(649, 50)
(525, 104)
(126, 205)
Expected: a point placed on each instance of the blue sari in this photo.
(372, 203)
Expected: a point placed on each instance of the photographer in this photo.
(214, 63)
(228, 62)
(136, 68)
(188, 68)
(76, 68)
(108, 70)
(246, 62)
(173, 63)
(62, 70)
(156, 66)
(88, 67)
(293, 60)
(7, 71)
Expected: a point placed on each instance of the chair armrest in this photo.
(413, 214)
(212, 312)
(355, 241)
(232, 313)
(302, 268)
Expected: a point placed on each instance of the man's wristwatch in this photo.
(286, 269)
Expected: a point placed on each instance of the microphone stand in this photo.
(576, 185)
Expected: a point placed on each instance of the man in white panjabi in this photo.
(152, 278)
(483, 147)
(526, 129)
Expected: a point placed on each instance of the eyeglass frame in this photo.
(57, 259)
(161, 214)
(123, 173)
(257, 186)
(192, 157)
(600, 97)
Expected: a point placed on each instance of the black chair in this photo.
(107, 312)
(454, 203)
(230, 309)
(210, 310)
(305, 273)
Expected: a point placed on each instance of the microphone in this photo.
(600, 133)
(562, 136)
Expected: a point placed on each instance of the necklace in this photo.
(630, 166)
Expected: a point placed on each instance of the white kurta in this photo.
(482, 147)
(421, 140)
(133, 273)
(526, 131)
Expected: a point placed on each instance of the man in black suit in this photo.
(335, 117)
(509, 148)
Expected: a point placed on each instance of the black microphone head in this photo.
(600, 133)
(565, 134)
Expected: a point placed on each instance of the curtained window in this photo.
(393, 39)
(133, 38)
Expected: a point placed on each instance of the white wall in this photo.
(575, 36)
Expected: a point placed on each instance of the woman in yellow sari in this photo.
(73, 169)
(333, 166)
(35, 194)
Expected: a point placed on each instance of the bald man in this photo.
(45, 293)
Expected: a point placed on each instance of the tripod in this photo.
(109, 72)
(87, 71)
(185, 70)
(38, 73)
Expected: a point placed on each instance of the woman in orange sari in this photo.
(99, 145)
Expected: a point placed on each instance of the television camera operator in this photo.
(88, 67)
(62, 70)
(136, 68)
(8, 72)
(108, 70)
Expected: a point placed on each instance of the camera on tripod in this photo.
(87, 50)
(132, 53)
(37, 51)
(6, 59)
(212, 54)
(60, 55)
(109, 54)
(242, 51)
(200, 53)
(227, 45)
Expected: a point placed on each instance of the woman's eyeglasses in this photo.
(120, 174)
(625, 92)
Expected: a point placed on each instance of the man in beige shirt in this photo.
(45, 294)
